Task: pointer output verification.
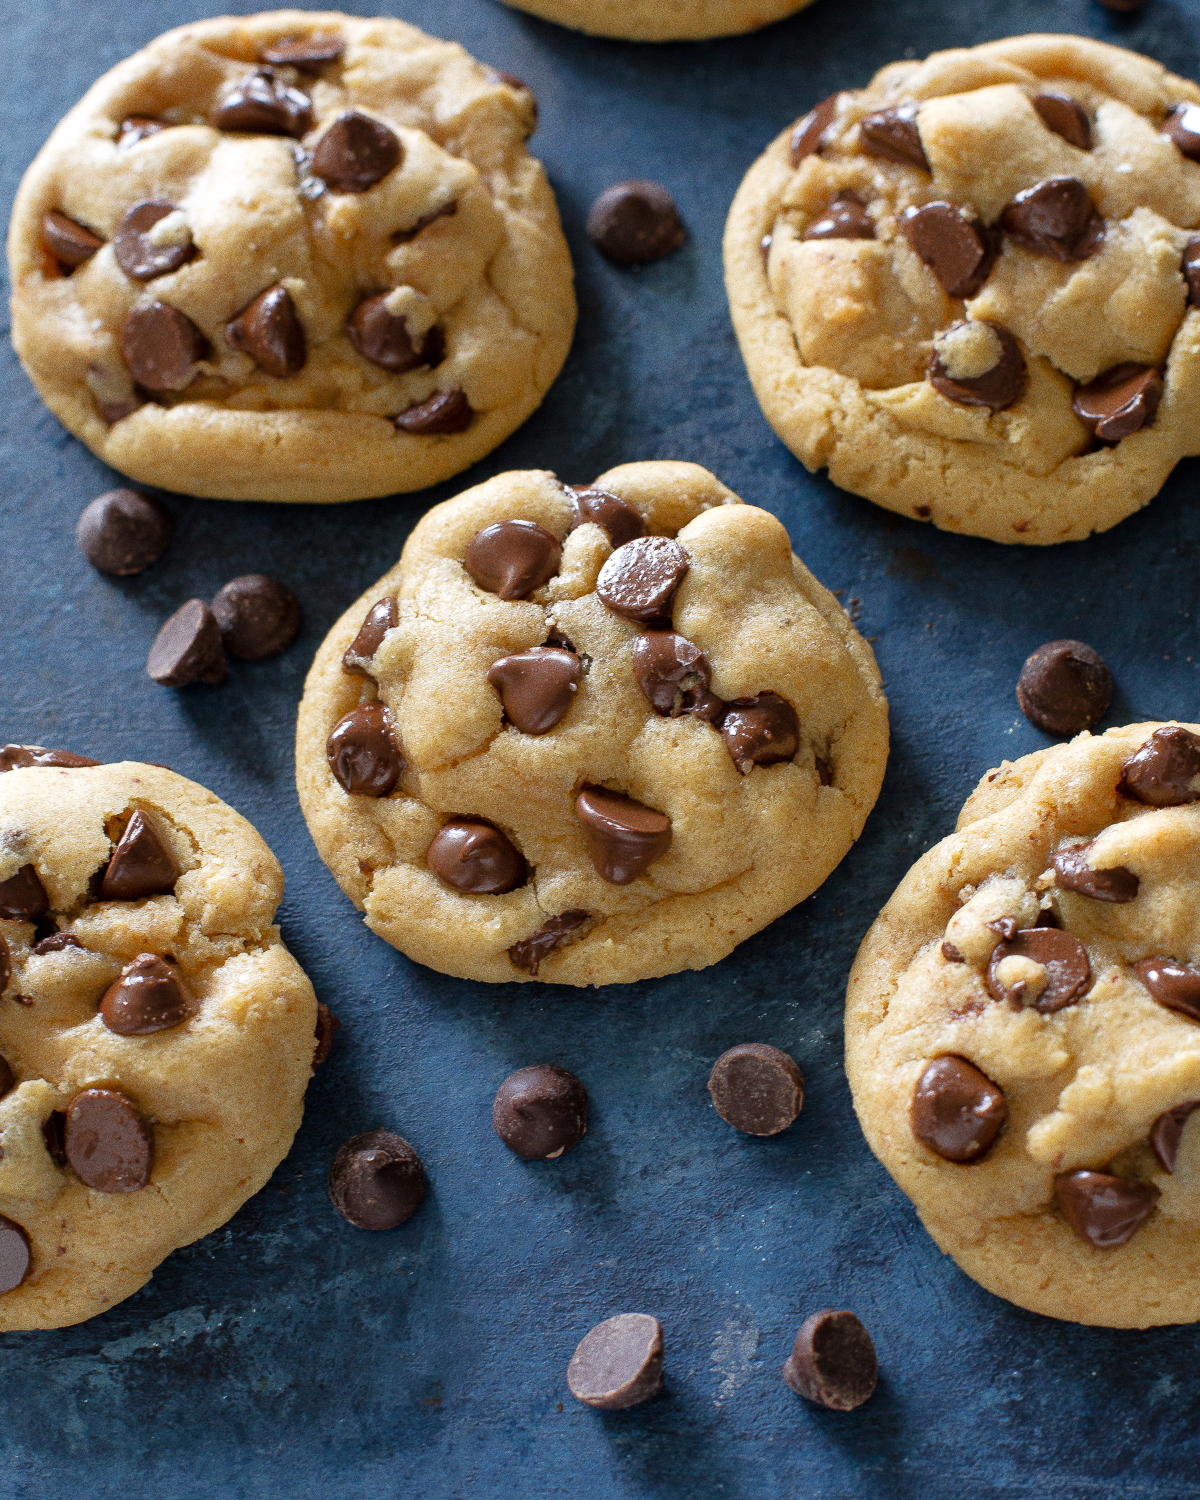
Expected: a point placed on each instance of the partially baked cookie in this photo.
(1023, 1031)
(662, 20)
(156, 1037)
(968, 289)
(292, 256)
(589, 735)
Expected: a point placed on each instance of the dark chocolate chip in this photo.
(362, 752)
(107, 1142)
(958, 249)
(258, 616)
(149, 996)
(54, 1127)
(1165, 771)
(383, 338)
(1064, 687)
(384, 615)
(619, 1363)
(846, 218)
(135, 128)
(23, 897)
(68, 242)
(5, 964)
(552, 934)
(137, 254)
(756, 1088)
(1057, 218)
(957, 1111)
(17, 757)
(760, 731)
(307, 54)
(809, 133)
(142, 864)
(536, 687)
(161, 346)
(1063, 957)
(14, 1255)
(443, 412)
(997, 388)
(892, 134)
(624, 838)
(1066, 117)
(376, 1180)
(1167, 1132)
(833, 1361)
(1190, 266)
(188, 648)
(356, 152)
(262, 104)
(327, 1024)
(621, 522)
(540, 1112)
(269, 330)
(122, 532)
(57, 942)
(1073, 873)
(639, 580)
(1182, 128)
(1120, 402)
(472, 856)
(1174, 985)
(1105, 1211)
(673, 675)
(635, 222)
(512, 558)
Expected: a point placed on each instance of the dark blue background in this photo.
(290, 1355)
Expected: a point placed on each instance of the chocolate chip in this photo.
(1064, 687)
(1105, 1211)
(23, 897)
(8, 1079)
(540, 1112)
(17, 757)
(376, 1180)
(674, 675)
(404, 236)
(1174, 985)
(307, 54)
(269, 330)
(1167, 1132)
(1007, 927)
(760, 731)
(69, 243)
(57, 942)
(1182, 128)
(845, 219)
(472, 856)
(54, 1128)
(107, 1142)
(161, 346)
(624, 838)
(5, 964)
(536, 687)
(362, 752)
(384, 615)
(756, 1088)
(383, 338)
(951, 954)
(1057, 218)
(619, 1363)
(14, 1255)
(444, 411)
(635, 222)
(833, 1361)
(1065, 117)
(188, 648)
(122, 532)
(1190, 267)
(1165, 771)
(1073, 873)
(892, 134)
(135, 128)
(639, 580)
(809, 133)
(1120, 402)
(997, 388)
(356, 152)
(1063, 958)
(958, 249)
(262, 104)
(621, 522)
(957, 1111)
(327, 1024)
(142, 864)
(512, 558)
(258, 616)
(552, 934)
(137, 254)
(149, 996)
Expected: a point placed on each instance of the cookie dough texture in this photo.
(1083, 1085)
(663, 20)
(837, 332)
(223, 1092)
(744, 848)
(494, 275)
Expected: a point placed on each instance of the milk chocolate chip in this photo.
(1175, 986)
(376, 1180)
(142, 864)
(892, 135)
(1057, 218)
(541, 1111)
(107, 1142)
(1065, 117)
(58, 942)
(262, 104)
(474, 857)
(674, 675)
(621, 522)
(635, 222)
(619, 1363)
(760, 731)
(552, 934)
(188, 648)
(161, 346)
(269, 330)
(17, 757)
(258, 616)
(384, 615)
(307, 54)
(1120, 402)
(14, 1255)
(444, 412)
(512, 558)
(122, 532)
(356, 152)
(1064, 687)
(1073, 873)
(958, 249)
(536, 687)
(845, 219)
(809, 134)
(149, 996)
(142, 255)
(957, 1111)
(639, 580)
(68, 242)
(624, 838)
(1167, 1132)
(384, 339)
(23, 897)
(756, 1088)
(1105, 1211)
(833, 1361)
(977, 363)
(1182, 128)
(1165, 772)
(362, 752)
(1062, 959)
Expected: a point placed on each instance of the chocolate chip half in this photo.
(137, 253)
(756, 1088)
(1056, 218)
(638, 581)
(809, 133)
(142, 864)
(1182, 128)
(327, 1024)
(384, 339)
(258, 616)
(443, 412)
(17, 757)
(1120, 402)
(892, 135)
(362, 752)
(760, 731)
(635, 222)
(512, 558)
(1073, 873)
(57, 942)
(135, 128)
(107, 1142)
(263, 104)
(551, 935)
(958, 249)
(536, 687)
(977, 363)
(1190, 266)
(833, 1361)
(5, 964)
(269, 330)
(624, 838)
(1066, 117)
(1064, 687)
(356, 152)
(69, 243)
(473, 856)
(1174, 985)
(23, 897)
(161, 346)
(307, 54)
(621, 522)
(14, 1255)
(541, 1111)
(188, 648)
(1167, 1132)
(1063, 959)
(957, 1111)
(1105, 1211)
(376, 1180)
(149, 996)
(384, 615)
(619, 1363)
(122, 532)
(674, 675)
(1165, 771)
(846, 218)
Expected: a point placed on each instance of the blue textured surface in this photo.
(290, 1355)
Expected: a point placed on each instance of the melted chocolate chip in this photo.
(307, 54)
(1063, 958)
(14, 1255)
(122, 532)
(958, 249)
(135, 128)
(1064, 687)
(1055, 218)
(269, 330)
(107, 1142)
(1165, 771)
(639, 580)
(997, 388)
(756, 1088)
(760, 731)
(845, 219)
(892, 135)
(384, 615)
(1167, 1132)
(619, 1363)
(957, 1111)
(17, 757)
(540, 1112)
(383, 338)
(69, 243)
(148, 996)
(512, 558)
(57, 942)
(356, 152)
(1190, 266)
(362, 752)
(376, 1180)
(137, 254)
(188, 648)
(621, 522)
(1105, 1211)
(472, 856)
(23, 897)
(258, 616)
(142, 864)
(674, 675)
(1065, 117)
(635, 222)
(833, 1361)
(1120, 402)
(1174, 985)
(443, 412)
(1182, 129)
(552, 934)
(1073, 873)
(327, 1024)
(624, 838)
(809, 133)
(536, 687)
(262, 104)
(161, 346)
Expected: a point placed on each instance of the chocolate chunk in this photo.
(624, 838)
(107, 1142)
(958, 249)
(540, 1112)
(760, 731)
(1063, 958)
(149, 996)
(621, 522)
(444, 411)
(639, 580)
(135, 128)
(1165, 771)
(23, 897)
(142, 864)
(376, 1180)
(635, 222)
(536, 687)
(17, 757)
(1182, 128)
(14, 1255)
(57, 942)
(327, 1024)
(362, 752)
(1065, 117)
(54, 1128)
(997, 388)
(258, 616)
(383, 338)
(472, 856)
(384, 615)
(809, 133)
(1167, 1132)
(833, 1361)
(1057, 218)
(68, 242)
(262, 104)
(1120, 402)
(1064, 687)
(892, 134)
(756, 1088)
(957, 1111)
(122, 532)
(161, 346)
(674, 675)
(1190, 267)
(1105, 1211)
(356, 152)
(1174, 985)
(269, 330)
(137, 254)
(188, 648)
(619, 1363)
(845, 219)
(5, 964)
(307, 54)
(512, 558)
(1073, 873)
(552, 934)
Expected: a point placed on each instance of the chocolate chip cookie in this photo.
(292, 256)
(1023, 1031)
(662, 20)
(968, 290)
(156, 1037)
(589, 734)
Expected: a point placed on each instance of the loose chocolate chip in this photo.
(54, 1128)
(512, 558)
(142, 864)
(957, 1111)
(443, 412)
(383, 616)
(269, 330)
(122, 532)
(1057, 218)
(327, 1024)
(833, 1361)
(1064, 687)
(1063, 958)
(472, 856)
(1105, 1211)
(1065, 117)
(1073, 873)
(23, 897)
(621, 522)
(809, 133)
(1182, 128)
(161, 346)
(14, 1255)
(540, 1112)
(362, 752)
(383, 338)
(262, 104)
(107, 1142)
(997, 388)
(136, 252)
(756, 1088)
(69, 243)
(188, 648)
(17, 757)
(624, 838)
(619, 1363)
(356, 152)
(674, 675)
(376, 1180)
(536, 687)
(258, 616)
(553, 933)
(307, 54)
(1165, 771)
(5, 964)
(639, 580)
(148, 996)
(957, 248)
(760, 731)
(1190, 267)
(635, 222)
(1175, 986)
(846, 218)
(1120, 402)
(57, 942)
(892, 134)
(135, 128)
(1167, 1132)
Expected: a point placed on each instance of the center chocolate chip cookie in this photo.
(589, 735)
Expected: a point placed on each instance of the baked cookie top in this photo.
(662, 20)
(1023, 1031)
(968, 288)
(589, 735)
(292, 256)
(156, 1037)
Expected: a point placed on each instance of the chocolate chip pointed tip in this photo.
(609, 512)
(356, 153)
(1066, 117)
(808, 135)
(893, 135)
(261, 103)
(269, 330)
(258, 616)
(635, 222)
(142, 863)
(619, 1363)
(150, 995)
(756, 1088)
(540, 1111)
(443, 413)
(384, 615)
(70, 243)
(536, 687)
(376, 1180)
(23, 897)
(123, 532)
(512, 558)
(1064, 688)
(1166, 1133)
(188, 648)
(833, 1361)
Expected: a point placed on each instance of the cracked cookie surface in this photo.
(662, 20)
